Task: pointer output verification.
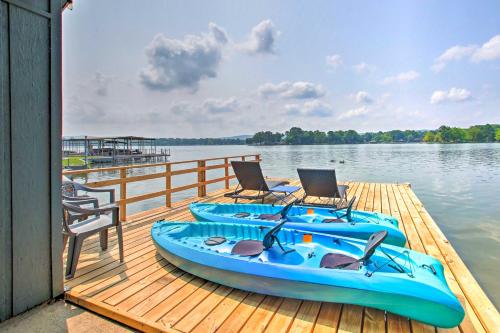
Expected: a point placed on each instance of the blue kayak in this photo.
(312, 266)
(342, 222)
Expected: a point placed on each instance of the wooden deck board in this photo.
(149, 294)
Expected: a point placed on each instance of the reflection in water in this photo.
(458, 184)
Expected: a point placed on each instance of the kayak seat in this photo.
(270, 217)
(242, 214)
(339, 261)
(333, 221)
(217, 240)
(248, 248)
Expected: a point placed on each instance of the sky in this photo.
(224, 68)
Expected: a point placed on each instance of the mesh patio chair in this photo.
(80, 223)
(250, 178)
(322, 183)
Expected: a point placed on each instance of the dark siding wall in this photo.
(30, 242)
(55, 163)
(30, 121)
(5, 213)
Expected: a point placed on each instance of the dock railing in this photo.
(201, 168)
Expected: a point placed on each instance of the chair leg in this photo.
(119, 233)
(103, 237)
(65, 241)
(69, 260)
(75, 247)
(303, 200)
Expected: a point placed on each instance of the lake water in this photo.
(459, 184)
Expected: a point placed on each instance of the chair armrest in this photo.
(231, 194)
(85, 188)
(89, 211)
(78, 202)
(110, 205)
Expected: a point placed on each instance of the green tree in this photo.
(352, 136)
(444, 134)
(396, 136)
(266, 138)
(320, 137)
(438, 137)
(334, 137)
(429, 137)
(457, 134)
(474, 133)
(487, 133)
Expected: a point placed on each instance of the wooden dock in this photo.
(149, 294)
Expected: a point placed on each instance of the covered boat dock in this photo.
(114, 150)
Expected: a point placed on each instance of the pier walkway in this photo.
(148, 293)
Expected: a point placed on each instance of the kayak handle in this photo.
(431, 268)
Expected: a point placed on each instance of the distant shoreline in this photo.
(327, 144)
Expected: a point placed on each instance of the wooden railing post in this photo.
(242, 158)
(257, 158)
(202, 176)
(226, 172)
(123, 194)
(168, 185)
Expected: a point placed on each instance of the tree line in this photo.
(444, 134)
(198, 141)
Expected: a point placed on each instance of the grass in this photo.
(73, 161)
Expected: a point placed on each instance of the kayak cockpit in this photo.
(301, 214)
(252, 247)
(285, 246)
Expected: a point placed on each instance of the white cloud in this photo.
(262, 39)
(453, 95)
(402, 77)
(286, 89)
(313, 108)
(488, 51)
(354, 113)
(217, 105)
(100, 84)
(456, 52)
(84, 111)
(363, 97)
(194, 114)
(385, 96)
(218, 33)
(334, 60)
(183, 63)
(363, 67)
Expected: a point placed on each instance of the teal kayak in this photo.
(312, 266)
(342, 222)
